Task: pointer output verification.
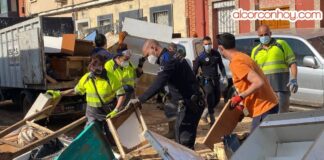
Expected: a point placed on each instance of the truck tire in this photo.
(27, 99)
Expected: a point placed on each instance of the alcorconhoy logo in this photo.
(276, 14)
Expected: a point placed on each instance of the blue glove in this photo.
(293, 85)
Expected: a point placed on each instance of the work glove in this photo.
(54, 93)
(112, 114)
(235, 101)
(293, 86)
(136, 102)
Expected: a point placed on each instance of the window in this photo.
(4, 6)
(318, 44)
(82, 26)
(300, 49)
(161, 15)
(105, 23)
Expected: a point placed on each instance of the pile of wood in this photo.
(67, 58)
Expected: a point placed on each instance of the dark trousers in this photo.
(212, 94)
(257, 120)
(186, 125)
(98, 115)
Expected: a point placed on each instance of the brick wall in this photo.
(264, 4)
(21, 8)
(191, 15)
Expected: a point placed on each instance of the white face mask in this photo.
(152, 59)
(124, 64)
(207, 48)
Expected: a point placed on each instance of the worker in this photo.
(125, 72)
(251, 84)
(170, 103)
(104, 93)
(179, 75)
(209, 61)
(101, 43)
(275, 57)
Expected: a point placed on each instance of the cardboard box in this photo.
(76, 47)
(69, 68)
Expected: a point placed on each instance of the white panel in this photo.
(52, 44)
(131, 126)
(148, 30)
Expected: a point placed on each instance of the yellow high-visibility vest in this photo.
(276, 59)
(108, 89)
(126, 75)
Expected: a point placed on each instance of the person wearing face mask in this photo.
(210, 61)
(104, 93)
(276, 59)
(177, 74)
(253, 89)
(124, 71)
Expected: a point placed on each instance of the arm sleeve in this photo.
(116, 85)
(221, 65)
(196, 65)
(289, 53)
(80, 88)
(240, 70)
(160, 81)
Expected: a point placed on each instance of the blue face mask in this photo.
(265, 39)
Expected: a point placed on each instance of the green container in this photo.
(90, 144)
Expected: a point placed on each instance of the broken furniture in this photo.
(25, 135)
(127, 128)
(168, 149)
(76, 47)
(286, 136)
(69, 67)
(224, 125)
(89, 144)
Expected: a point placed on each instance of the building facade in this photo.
(111, 13)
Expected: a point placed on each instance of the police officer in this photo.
(177, 74)
(209, 61)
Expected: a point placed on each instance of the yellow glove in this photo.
(55, 94)
(112, 113)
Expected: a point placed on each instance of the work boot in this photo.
(171, 132)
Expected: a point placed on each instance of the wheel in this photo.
(27, 100)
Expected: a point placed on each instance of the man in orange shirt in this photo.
(252, 86)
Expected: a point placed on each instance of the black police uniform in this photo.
(178, 74)
(209, 64)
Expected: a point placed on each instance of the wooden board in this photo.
(76, 47)
(224, 125)
(127, 128)
(168, 149)
(40, 103)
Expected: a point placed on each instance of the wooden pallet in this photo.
(127, 128)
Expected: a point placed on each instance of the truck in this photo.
(23, 62)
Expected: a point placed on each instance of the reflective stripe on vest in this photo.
(271, 60)
(126, 75)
